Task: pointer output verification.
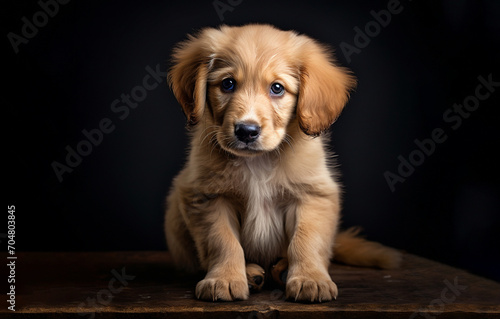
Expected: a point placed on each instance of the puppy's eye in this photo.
(228, 85)
(277, 89)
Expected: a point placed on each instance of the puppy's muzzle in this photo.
(246, 132)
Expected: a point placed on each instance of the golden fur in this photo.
(236, 203)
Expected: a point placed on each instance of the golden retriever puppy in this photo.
(258, 184)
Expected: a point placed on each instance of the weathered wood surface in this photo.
(100, 285)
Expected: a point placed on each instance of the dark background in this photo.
(424, 61)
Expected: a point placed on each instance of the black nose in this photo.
(247, 133)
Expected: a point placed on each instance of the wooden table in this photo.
(144, 285)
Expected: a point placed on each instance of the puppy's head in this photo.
(251, 83)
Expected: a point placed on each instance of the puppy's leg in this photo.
(310, 249)
(179, 241)
(215, 231)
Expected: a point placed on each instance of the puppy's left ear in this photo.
(324, 89)
(188, 75)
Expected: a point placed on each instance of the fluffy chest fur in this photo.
(263, 235)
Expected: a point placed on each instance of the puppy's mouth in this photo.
(240, 148)
(250, 148)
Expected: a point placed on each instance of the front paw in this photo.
(317, 288)
(223, 289)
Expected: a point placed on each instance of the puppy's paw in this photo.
(255, 277)
(279, 271)
(311, 288)
(223, 289)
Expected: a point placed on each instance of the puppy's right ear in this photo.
(324, 88)
(188, 76)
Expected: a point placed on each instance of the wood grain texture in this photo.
(81, 285)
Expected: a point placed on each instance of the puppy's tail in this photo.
(354, 250)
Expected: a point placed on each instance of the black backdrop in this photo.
(78, 60)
